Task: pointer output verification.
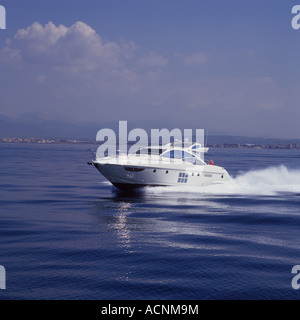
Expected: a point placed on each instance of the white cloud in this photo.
(79, 74)
(153, 60)
(78, 48)
(41, 78)
(80, 52)
(199, 58)
(10, 56)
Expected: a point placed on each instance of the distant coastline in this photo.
(44, 141)
(219, 145)
(256, 146)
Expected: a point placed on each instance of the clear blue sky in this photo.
(228, 66)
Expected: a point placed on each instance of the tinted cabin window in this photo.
(169, 154)
(185, 156)
(197, 146)
(196, 149)
(188, 157)
(157, 151)
(177, 154)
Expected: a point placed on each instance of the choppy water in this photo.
(65, 233)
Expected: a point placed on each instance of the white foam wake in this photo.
(268, 181)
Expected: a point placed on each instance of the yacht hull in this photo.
(128, 177)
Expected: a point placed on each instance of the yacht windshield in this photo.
(150, 151)
(182, 155)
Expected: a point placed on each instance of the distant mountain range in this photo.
(29, 126)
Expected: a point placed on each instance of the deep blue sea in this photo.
(66, 233)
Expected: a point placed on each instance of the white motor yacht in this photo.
(170, 165)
